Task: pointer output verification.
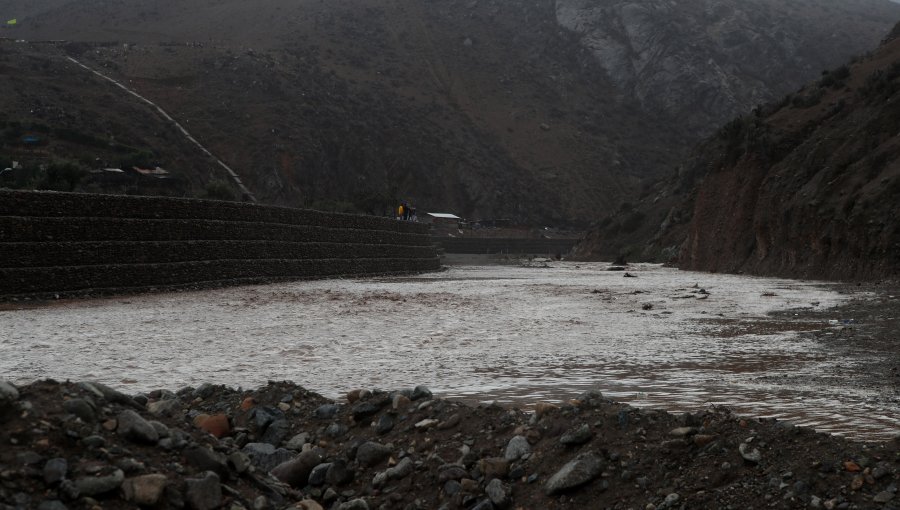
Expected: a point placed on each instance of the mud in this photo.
(763, 347)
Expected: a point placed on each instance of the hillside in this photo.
(487, 109)
(806, 187)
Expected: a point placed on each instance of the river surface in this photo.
(665, 338)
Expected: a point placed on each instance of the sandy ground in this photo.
(505, 333)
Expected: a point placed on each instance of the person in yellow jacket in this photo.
(400, 212)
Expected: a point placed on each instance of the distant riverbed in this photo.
(664, 338)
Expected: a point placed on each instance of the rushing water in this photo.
(511, 334)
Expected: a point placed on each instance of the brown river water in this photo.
(509, 334)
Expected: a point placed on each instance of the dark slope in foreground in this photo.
(88, 446)
(808, 187)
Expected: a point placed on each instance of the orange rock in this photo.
(851, 466)
(248, 403)
(216, 425)
(703, 439)
(543, 408)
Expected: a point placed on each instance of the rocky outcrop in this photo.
(706, 62)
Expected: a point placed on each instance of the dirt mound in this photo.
(88, 446)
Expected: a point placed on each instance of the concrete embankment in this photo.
(69, 244)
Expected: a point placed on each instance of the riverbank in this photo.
(69, 445)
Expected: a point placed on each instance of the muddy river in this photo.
(664, 338)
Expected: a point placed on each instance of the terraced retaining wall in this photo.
(69, 243)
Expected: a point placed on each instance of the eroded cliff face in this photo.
(705, 62)
(808, 188)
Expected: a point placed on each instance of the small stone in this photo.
(400, 471)
(857, 482)
(276, 432)
(355, 395)
(204, 391)
(296, 472)
(750, 455)
(575, 473)
(493, 467)
(53, 504)
(883, 497)
(204, 493)
(265, 456)
(577, 436)
(498, 493)
(161, 429)
(144, 490)
(364, 410)
(371, 453)
(542, 408)
(308, 504)
(296, 443)
(239, 461)
(339, 473)
(284, 406)
(217, 424)
(484, 504)
(80, 408)
(95, 485)
(326, 412)
(134, 428)
(385, 424)
(55, 470)
(317, 475)
(450, 422)
(704, 439)
(205, 459)
(248, 404)
(670, 501)
(451, 472)
(336, 430)
(421, 392)
(427, 423)
(401, 402)
(516, 448)
(354, 504)
(8, 393)
(452, 487)
(168, 407)
(93, 442)
(683, 431)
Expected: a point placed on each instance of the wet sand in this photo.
(506, 333)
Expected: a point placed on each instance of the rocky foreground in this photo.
(84, 445)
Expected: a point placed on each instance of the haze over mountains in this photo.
(540, 111)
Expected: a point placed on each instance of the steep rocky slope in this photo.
(806, 187)
(487, 109)
(707, 62)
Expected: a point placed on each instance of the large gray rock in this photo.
(110, 395)
(265, 456)
(296, 472)
(577, 436)
(81, 408)
(517, 448)
(498, 493)
(575, 473)
(145, 490)
(403, 469)
(205, 459)
(55, 470)
(95, 485)
(134, 428)
(167, 407)
(204, 493)
(371, 453)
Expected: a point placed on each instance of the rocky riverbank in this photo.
(84, 445)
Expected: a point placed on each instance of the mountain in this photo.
(805, 187)
(513, 109)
